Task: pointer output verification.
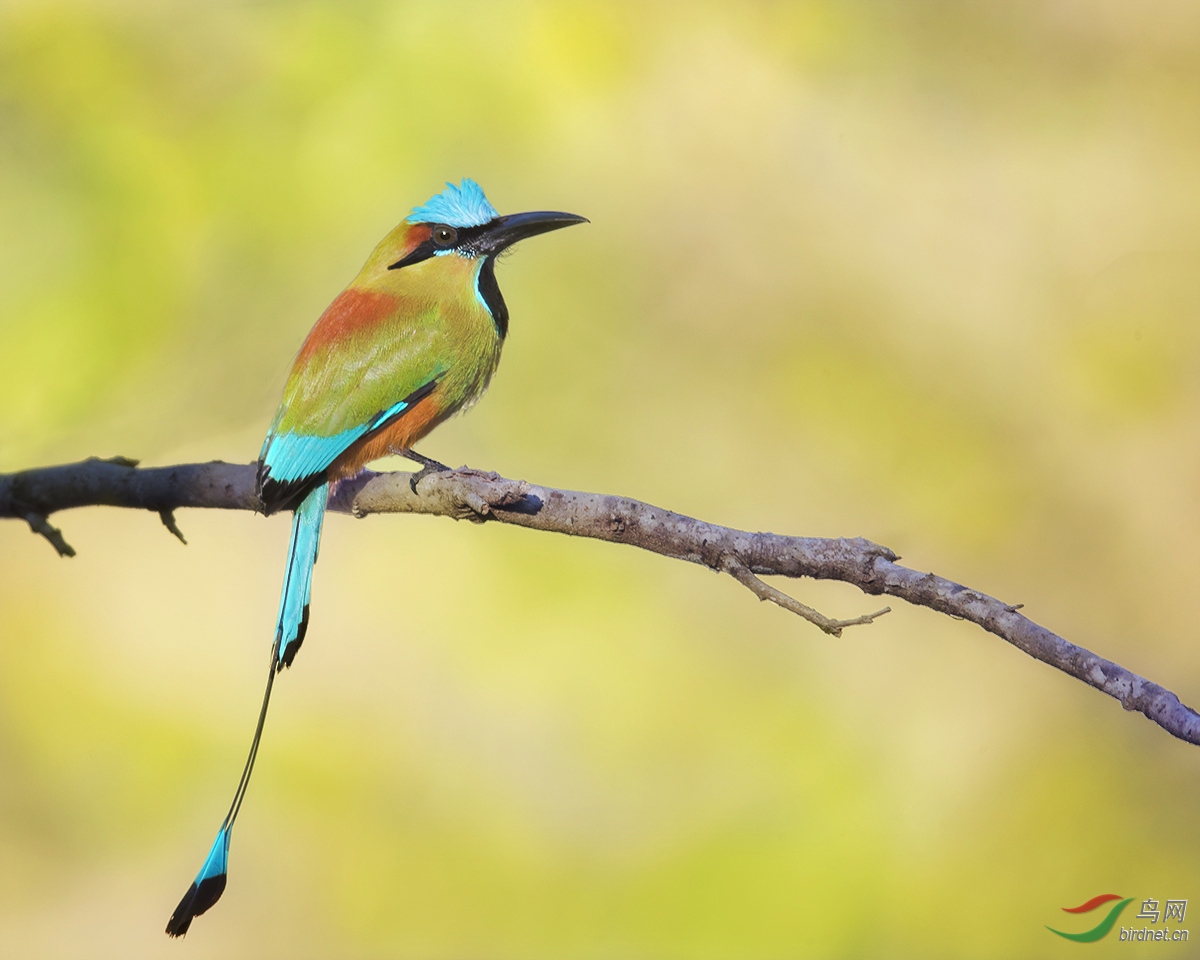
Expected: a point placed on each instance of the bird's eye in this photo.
(444, 236)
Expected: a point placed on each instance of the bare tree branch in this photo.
(33, 495)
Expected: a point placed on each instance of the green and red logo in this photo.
(1104, 926)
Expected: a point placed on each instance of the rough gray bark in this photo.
(33, 495)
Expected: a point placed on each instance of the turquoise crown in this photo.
(461, 206)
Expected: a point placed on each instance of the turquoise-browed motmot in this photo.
(414, 339)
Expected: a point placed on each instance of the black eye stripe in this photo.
(462, 239)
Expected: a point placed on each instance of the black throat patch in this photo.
(489, 290)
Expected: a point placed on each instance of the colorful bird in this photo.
(414, 339)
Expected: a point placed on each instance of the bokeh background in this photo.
(920, 272)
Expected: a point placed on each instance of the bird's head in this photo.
(460, 222)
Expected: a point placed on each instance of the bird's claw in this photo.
(431, 467)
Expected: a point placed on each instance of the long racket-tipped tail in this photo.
(290, 627)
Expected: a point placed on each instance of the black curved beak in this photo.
(505, 231)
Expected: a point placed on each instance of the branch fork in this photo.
(764, 591)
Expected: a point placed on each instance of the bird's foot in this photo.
(428, 466)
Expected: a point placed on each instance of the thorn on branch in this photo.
(168, 519)
(764, 591)
(39, 524)
(120, 461)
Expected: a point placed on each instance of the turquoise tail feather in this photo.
(297, 584)
(290, 627)
(206, 889)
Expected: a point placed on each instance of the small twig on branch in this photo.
(471, 494)
(764, 591)
(168, 519)
(39, 524)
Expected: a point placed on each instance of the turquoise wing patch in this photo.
(292, 463)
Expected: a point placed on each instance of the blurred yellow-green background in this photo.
(920, 272)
